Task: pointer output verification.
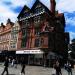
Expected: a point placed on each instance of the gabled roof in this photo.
(36, 2)
(25, 7)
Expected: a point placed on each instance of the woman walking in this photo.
(6, 66)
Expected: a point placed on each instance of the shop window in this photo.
(13, 45)
(39, 9)
(24, 41)
(37, 31)
(24, 32)
(26, 14)
(14, 36)
(25, 23)
(37, 19)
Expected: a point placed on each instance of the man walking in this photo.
(69, 68)
(23, 66)
(58, 68)
(6, 66)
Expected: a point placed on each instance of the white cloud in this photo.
(61, 5)
(15, 3)
(46, 3)
(66, 5)
(6, 10)
(6, 13)
(72, 35)
(70, 21)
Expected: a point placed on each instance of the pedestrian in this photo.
(23, 66)
(57, 68)
(53, 70)
(6, 66)
(16, 62)
(13, 61)
(65, 66)
(69, 68)
(9, 61)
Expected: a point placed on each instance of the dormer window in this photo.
(25, 23)
(26, 14)
(38, 5)
(37, 19)
(39, 10)
(26, 11)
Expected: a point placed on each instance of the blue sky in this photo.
(11, 9)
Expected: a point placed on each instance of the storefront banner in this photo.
(29, 52)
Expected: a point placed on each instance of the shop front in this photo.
(6, 53)
(32, 57)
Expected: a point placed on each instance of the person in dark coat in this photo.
(16, 62)
(58, 68)
(6, 63)
(23, 66)
(69, 68)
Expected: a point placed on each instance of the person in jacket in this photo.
(69, 68)
(57, 68)
(23, 66)
(6, 63)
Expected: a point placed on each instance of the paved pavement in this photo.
(32, 70)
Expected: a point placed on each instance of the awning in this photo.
(29, 52)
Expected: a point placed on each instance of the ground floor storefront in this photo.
(38, 57)
(32, 57)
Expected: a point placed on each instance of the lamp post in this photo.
(69, 56)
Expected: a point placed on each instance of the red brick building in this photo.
(42, 36)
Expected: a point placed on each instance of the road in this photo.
(32, 70)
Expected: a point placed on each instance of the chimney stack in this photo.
(2, 25)
(8, 21)
(53, 6)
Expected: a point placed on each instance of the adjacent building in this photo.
(5, 37)
(14, 36)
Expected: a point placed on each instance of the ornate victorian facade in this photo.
(5, 35)
(44, 30)
(39, 35)
(33, 22)
(14, 36)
